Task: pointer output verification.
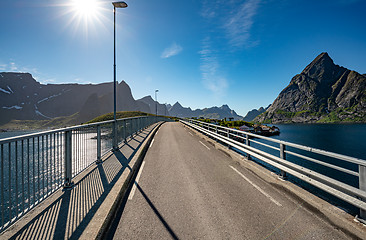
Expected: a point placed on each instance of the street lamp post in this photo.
(156, 102)
(115, 5)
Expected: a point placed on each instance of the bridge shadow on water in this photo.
(69, 211)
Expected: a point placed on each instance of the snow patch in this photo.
(48, 98)
(24, 87)
(3, 90)
(27, 96)
(36, 94)
(39, 113)
(10, 89)
(42, 115)
(1, 75)
(14, 107)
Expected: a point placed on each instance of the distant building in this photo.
(246, 128)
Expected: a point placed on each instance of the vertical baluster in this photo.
(54, 161)
(16, 179)
(84, 146)
(39, 165)
(78, 151)
(28, 172)
(10, 202)
(68, 159)
(34, 171)
(248, 144)
(23, 197)
(58, 167)
(124, 131)
(362, 186)
(99, 145)
(47, 165)
(43, 170)
(283, 156)
(2, 183)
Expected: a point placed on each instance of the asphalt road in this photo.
(187, 189)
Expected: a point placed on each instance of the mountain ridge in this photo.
(23, 98)
(322, 92)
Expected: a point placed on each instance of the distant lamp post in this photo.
(115, 5)
(156, 102)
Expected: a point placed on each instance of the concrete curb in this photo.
(326, 211)
(99, 226)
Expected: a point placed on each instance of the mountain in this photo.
(254, 113)
(152, 104)
(23, 98)
(322, 92)
(177, 110)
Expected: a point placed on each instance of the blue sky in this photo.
(200, 53)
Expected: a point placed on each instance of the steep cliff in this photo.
(322, 92)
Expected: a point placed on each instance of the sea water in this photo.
(346, 139)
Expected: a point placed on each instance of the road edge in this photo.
(326, 211)
(117, 194)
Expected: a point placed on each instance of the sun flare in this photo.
(85, 8)
(84, 16)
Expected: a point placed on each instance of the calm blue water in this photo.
(346, 139)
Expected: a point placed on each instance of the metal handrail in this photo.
(344, 191)
(33, 166)
(295, 145)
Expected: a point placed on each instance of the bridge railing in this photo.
(341, 176)
(34, 166)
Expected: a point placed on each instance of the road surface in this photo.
(187, 189)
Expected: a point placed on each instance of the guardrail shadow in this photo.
(71, 211)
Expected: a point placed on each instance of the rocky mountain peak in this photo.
(225, 107)
(323, 69)
(177, 104)
(323, 91)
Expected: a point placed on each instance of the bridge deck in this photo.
(67, 213)
(188, 189)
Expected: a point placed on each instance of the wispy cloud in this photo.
(13, 67)
(240, 22)
(234, 17)
(171, 51)
(211, 78)
(3, 67)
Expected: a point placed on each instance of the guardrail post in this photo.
(99, 145)
(283, 156)
(139, 124)
(115, 136)
(68, 160)
(248, 144)
(124, 131)
(362, 186)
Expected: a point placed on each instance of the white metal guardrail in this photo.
(264, 151)
(34, 166)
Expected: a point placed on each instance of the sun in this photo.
(85, 8)
(84, 16)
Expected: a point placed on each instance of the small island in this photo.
(244, 126)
